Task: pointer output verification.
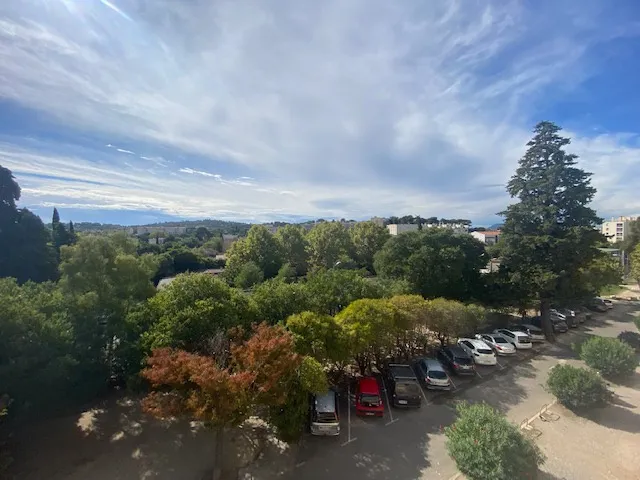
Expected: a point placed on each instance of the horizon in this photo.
(135, 112)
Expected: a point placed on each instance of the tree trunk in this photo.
(218, 460)
(545, 318)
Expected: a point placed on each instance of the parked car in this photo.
(608, 303)
(324, 414)
(479, 351)
(432, 374)
(498, 343)
(368, 399)
(455, 358)
(535, 333)
(558, 325)
(403, 386)
(520, 340)
(566, 315)
(597, 304)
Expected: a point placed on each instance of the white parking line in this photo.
(392, 421)
(477, 373)
(349, 439)
(499, 364)
(452, 383)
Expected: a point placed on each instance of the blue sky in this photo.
(136, 111)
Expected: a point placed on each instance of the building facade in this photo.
(398, 228)
(488, 237)
(616, 229)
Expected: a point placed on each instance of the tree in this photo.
(369, 326)
(259, 247)
(332, 290)
(59, 234)
(484, 444)
(25, 254)
(436, 263)
(248, 276)
(635, 264)
(632, 237)
(367, 239)
(290, 417)
(276, 300)
(452, 319)
(319, 336)
(102, 278)
(293, 245)
(193, 309)
(223, 391)
(329, 243)
(410, 322)
(578, 388)
(550, 234)
(36, 347)
(287, 273)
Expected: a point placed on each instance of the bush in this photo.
(577, 388)
(609, 356)
(484, 444)
(631, 338)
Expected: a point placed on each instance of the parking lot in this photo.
(410, 444)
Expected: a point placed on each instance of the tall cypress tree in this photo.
(550, 234)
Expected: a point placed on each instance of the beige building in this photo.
(398, 228)
(617, 228)
(488, 237)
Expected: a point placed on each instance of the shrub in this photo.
(577, 388)
(484, 444)
(609, 356)
(631, 338)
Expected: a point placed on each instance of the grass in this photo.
(611, 290)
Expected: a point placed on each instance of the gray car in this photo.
(432, 374)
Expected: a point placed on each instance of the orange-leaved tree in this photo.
(222, 393)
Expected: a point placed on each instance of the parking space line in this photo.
(477, 373)
(452, 383)
(424, 395)
(349, 439)
(499, 364)
(392, 421)
(386, 395)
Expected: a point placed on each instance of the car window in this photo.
(407, 389)
(437, 374)
(500, 340)
(487, 338)
(369, 399)
(463, 360)
(484, 350)
(508, 334)
(467, 344)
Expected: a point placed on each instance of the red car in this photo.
(368, 399)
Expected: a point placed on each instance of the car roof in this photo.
(432, 363)
(456, 350)
(326, 402)
(476, 342)
(368, 385)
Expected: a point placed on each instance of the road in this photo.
(410, 445)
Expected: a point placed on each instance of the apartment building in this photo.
(398, 228)
(617, 228)
(488, 237)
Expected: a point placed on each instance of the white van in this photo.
(324, 414)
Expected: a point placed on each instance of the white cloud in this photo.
(363, 106)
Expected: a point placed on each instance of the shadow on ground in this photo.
(616, 417)
(112, 441)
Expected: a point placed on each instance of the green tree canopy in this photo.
(259, 247)
(293, 245)
(329, 242)
(319, 336)
(367, 239)
(550, 234)
(192, 309)
(635, 264)
(248, 276)
(332, 290)
(276, 300)
(436, 262)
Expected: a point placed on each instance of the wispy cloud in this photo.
(414, 113)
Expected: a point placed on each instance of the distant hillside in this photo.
(224, 226)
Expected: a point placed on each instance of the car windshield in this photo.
(325, 417)
(437, 374)
(463, 360)
(369, 399)
(407, 389)
(486, 351)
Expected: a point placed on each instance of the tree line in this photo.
(326, 298)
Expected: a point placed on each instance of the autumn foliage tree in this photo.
(223, 390)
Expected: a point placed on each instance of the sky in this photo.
(139, 111)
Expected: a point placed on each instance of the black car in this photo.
(404, 388)
(558, 325)
(456, 359)
(597, 305)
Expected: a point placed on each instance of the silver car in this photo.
(498, 343)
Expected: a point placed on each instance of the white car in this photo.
(608, 303)
(535, 333)
(520, 340)
(498, 343)
(479, 351)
